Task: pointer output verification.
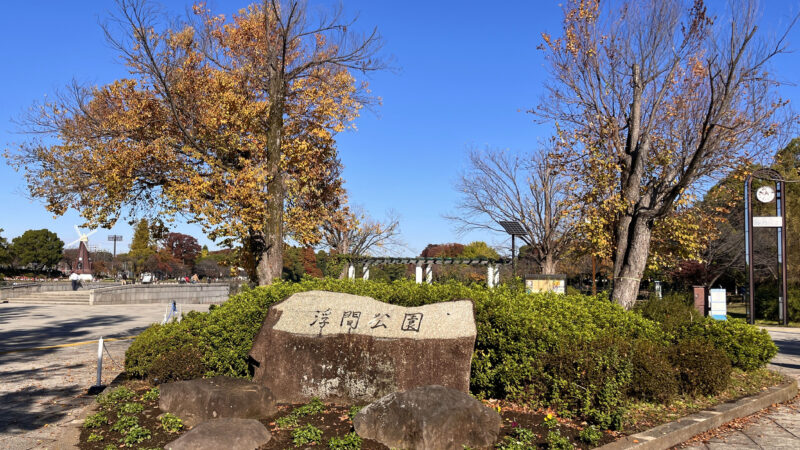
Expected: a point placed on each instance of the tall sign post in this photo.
(766, 194)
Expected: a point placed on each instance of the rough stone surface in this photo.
(429, 417)
(233, 434)
(197, 400)
(345, 348)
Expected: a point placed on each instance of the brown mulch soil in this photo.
(333, 421)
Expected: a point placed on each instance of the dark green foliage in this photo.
(748, 347)
(182, 363)
(590, 435)
(156, 341)
(587, 377)
(701, 368)
(5, 251)
(40, 248)
(556, 441)
(516, 331)
(654, 378)
(767, 302)
(672, 311)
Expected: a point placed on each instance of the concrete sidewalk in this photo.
(779, 427)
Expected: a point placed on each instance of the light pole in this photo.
(114, 238)
(513, 228)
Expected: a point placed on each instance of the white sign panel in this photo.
(717, 302)
(768, 222)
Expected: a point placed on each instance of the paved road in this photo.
(777, 428)
(40, 389)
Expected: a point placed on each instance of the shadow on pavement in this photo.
(54, 333)
(31, 408)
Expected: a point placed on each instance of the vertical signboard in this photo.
(716, 300)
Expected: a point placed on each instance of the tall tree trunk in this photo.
(270, 261)
(633, 244)
(549, 265)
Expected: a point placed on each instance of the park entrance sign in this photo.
(766, 194)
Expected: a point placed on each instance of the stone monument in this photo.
(345, 348)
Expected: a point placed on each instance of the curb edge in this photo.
(673, 433)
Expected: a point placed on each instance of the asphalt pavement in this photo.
(48, 359)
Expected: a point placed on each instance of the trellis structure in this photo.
(424, 266)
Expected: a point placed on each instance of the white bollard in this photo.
(100, 362)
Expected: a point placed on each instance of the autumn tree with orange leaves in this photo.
(653, 100)
(228, 122)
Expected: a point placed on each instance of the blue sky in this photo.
(467, 72)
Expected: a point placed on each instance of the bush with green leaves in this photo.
(520, 438)
(124, 423)
(171, 423)
(672, 311)
(306, 435)
(653, 378)
(351, 441)
(590, 435)
(571, 352)
(515, 332)
(136, 435)
(114, 397)
(94, 437)
(701, 368)
(557, 441)
(130, 408)
(95, 420)
(312, 408)
(151, 395)
(747, 347)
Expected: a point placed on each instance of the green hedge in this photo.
(570, 352)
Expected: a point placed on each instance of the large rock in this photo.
(233, 434)
(345, 348)
(197, 400)
(430, 418)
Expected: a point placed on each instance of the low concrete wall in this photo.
(160, 293)
(34, 288)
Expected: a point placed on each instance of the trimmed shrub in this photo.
(587, 378)
(746, 346)
(672, 311)
(654, 378)
(518, 336)
(182, 363)
(702, 368)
